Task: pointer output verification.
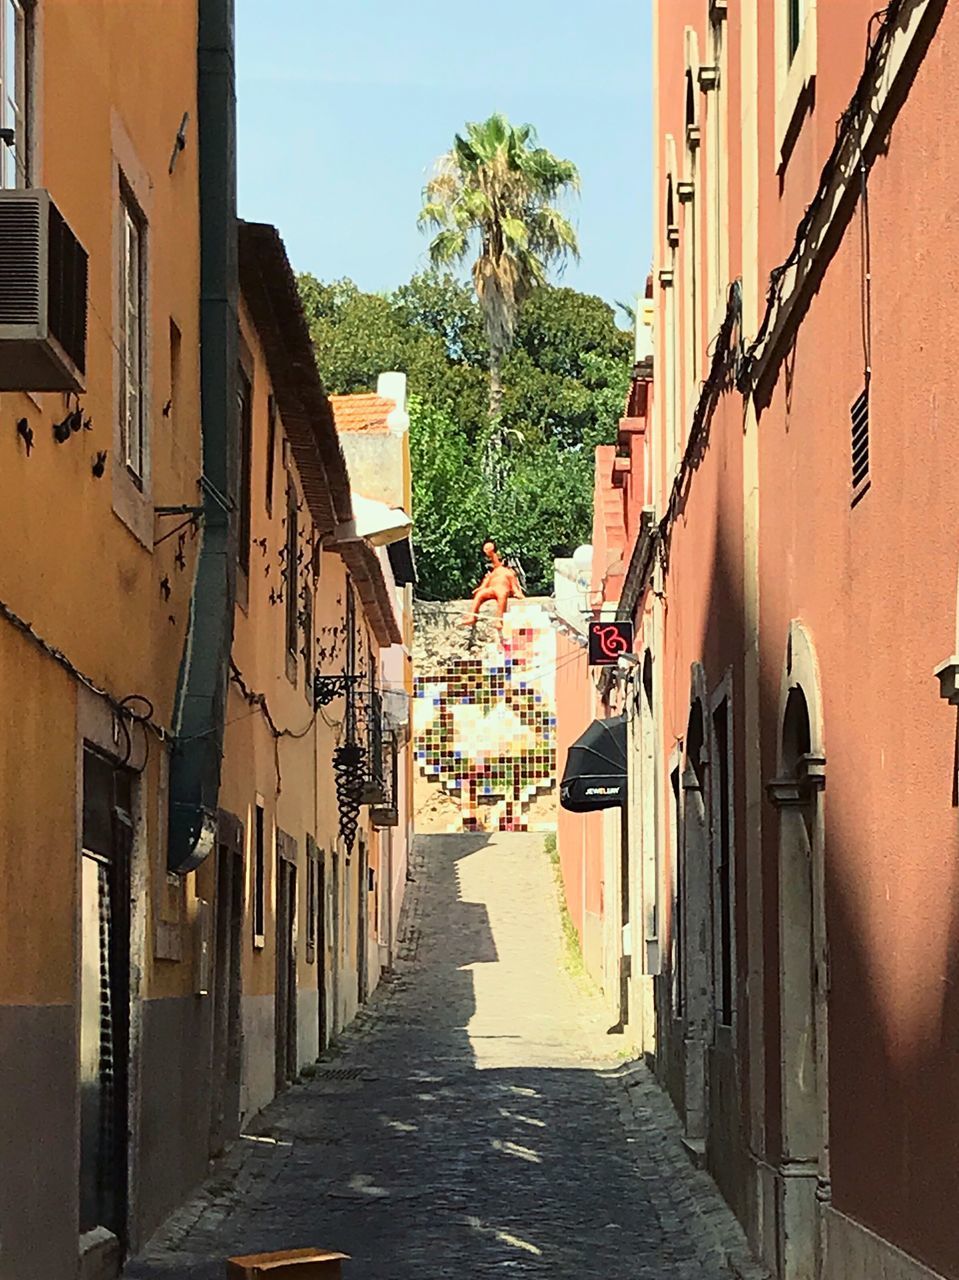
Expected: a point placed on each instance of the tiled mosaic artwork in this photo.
(485, 727)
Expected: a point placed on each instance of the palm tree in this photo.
(496, 188)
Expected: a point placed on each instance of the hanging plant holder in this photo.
(349, 770)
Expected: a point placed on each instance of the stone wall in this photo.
(484, 719)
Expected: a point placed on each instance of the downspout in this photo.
(200, 710)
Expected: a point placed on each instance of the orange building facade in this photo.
(198, 875)
(790, 935)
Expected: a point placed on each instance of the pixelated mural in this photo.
(485, 729)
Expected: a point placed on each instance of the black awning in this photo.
(595, 775)
(402, 562)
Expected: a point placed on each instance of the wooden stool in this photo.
(291, 1264)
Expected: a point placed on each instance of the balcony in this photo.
(368, 756)
(379, 743)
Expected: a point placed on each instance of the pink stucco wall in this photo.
(876, 586)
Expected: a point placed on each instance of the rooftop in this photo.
(366, 411)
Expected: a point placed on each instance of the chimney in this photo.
(392, 386)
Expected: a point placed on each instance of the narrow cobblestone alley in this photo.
(476, 1121)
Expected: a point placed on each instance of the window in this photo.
(350, 662)
(717, 176)
(259, 877)
(722, 854)
(270, 451)
(672, 227)
(171, 408)
(677, 903)
(308, 641)
(104, 1034)
(796, 59)
(132, 336)
(794, 20)
(652, 870)
(692, 124)
(14, 159)
(292, 575)
(245, 411)
(312, 855)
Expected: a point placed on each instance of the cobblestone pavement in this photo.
(474, 1122)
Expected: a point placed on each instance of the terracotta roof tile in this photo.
(363, 412)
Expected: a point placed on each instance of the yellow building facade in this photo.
(185, 920)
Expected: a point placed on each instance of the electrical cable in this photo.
(884, 18)
(258, 700)
(122, 707)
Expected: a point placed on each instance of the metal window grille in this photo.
(859, 415)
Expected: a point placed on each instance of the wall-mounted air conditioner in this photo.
(43, 296)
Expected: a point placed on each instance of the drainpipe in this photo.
(200, 710)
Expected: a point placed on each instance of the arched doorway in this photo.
(803, 966)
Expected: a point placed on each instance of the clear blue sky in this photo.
(343, 107)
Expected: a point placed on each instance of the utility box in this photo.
(290, 1264)
(43, 296)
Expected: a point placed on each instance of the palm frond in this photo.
(449, 247)
(498, 186)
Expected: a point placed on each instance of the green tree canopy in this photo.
(565, 384)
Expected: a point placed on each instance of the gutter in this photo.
(200, 708)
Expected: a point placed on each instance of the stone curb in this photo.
(647, 1111)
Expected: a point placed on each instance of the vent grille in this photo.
(859, 414)
(20, 264)
(339, 1073)
(67, 299)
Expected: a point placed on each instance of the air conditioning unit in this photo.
(43, 296)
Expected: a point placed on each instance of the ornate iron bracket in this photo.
(327, 689)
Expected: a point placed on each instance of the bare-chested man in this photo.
(500, 584)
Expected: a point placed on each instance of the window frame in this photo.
(132, 220)
(677, 888)
(312, 898)
(15, 168)
(307, 650)
(258, 874)
(723, 867)
(271, 416)
(794, 24)
(717, 177)
(796, 59)
(244, 403)
(291, 620)
(176, 372)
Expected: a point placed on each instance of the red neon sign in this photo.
(608, 641)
